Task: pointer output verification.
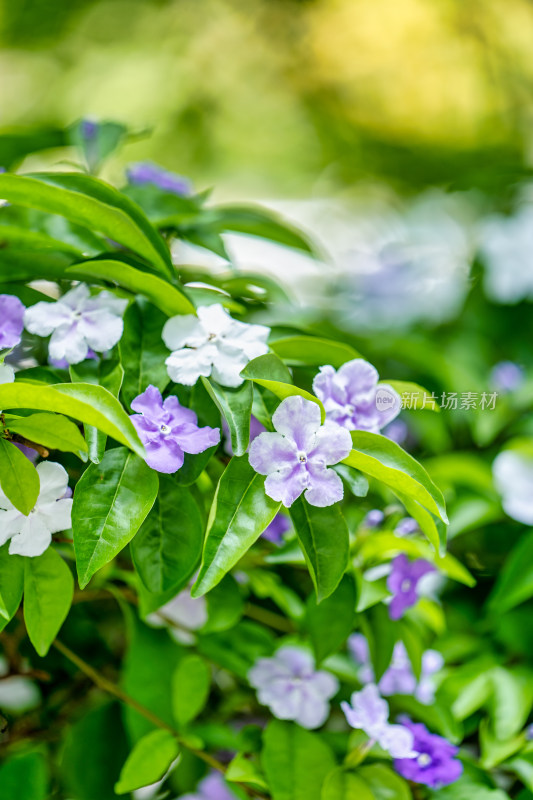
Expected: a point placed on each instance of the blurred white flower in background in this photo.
(506, 247)
(17, 693)
(513, 478)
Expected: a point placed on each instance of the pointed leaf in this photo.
(235, 405)
(18, 477)
(148, 761)
(51, 430)
(142, 350)
(48, 593)
(190, 688)
(11, 582)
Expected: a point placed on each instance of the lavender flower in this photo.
(352, 397)
(145, 173)
(88, 129)
(31, 535)
(374, 518)
(213, 787)
(296, 457)
(183, 610)
(529, 733)
(513, 478)
(11, 321)
(506, 376)
(168, 430)
(78, 321)
(403, 581)
(406, 526)
(399, 677)
(435, 764)
(274, 532)
(212, 344)
(370, 713)
(291, 687)
(397, 431)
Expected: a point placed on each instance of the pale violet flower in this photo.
(212, 344)
(369, 712)
(506, 376)
(168, 430)
(212, 787)
(403, 581)
(296, 458)
(78, 321)
(144, 173)
(513, 478)
(31, 535)
(292, 688)
(435, 764)
(11, 321)
(506, 246)
(183, 610)
(353, 398)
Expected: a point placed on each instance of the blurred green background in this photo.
(285, 98)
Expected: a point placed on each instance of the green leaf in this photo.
(382, 634)
(258, 221)
(331, 622)
(353, 479)
(18, 477)
(48, 593)
(240, 512)
(190, 688)
(379, 457)
(435, 531)
(419, 398)
(51, 430)
(384, 783)
(269, 371)
(168, 546)
(236, 407)
(111, 501)
(11, 582)
(24, 777)
(109, 375)
(244, 770)
(323, 537)
(162, 293)
(313, 351)
(512, 699)
(296, 761)
(91, 203)
(18, 143)
(93, 405)
(514, 584)
(142, 350)
(342, 785)
(148, 761)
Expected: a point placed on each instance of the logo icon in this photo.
(385, 399)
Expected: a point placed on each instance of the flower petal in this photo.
(44, 317)
(297, 419)
(149, 403)
(53, 479)
(287, 485)
(215, 319)
(332, 444)
(358, 376)
(34, 538)
(57, 515)
(183, 330)
(270, 452)
(68, 343)
(325, 487)
(193, 439)
(185, 366)
(227, 365)
(164, 455)
(101, 329)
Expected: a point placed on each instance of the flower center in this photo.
(302, 457)
(164, 429)
(406, 585)
(211, 337)
(350, 409)
(424, 760)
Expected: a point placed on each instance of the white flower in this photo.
(7, 374)
(212, 344)
(507, 249)
(370, 712)
(78, 321)
(31, 535)
(513, 477)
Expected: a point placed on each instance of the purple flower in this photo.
(370, 713)
(31, 454)
(145, 173)
(406, 526)
(374, 518)
(296, 457)
(168, 430)
(291, 687)
(360, 652)
(506, 376)
(352, 397)
(397, 431)
(403, 581)
(62, 363)
(435, 764)
(529, 733)
(88, 129)
(213, 787)
(274, 532)
(11, 321)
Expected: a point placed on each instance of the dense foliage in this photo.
(248, 575)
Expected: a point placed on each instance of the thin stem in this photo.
(269, 618)
(111, 688)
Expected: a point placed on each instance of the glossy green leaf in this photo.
(11, 582)
(342, 785)
(235, 405)
(514, 584)
(190, 688)
(142, 350)
(168, 547)
(239, 514)
(313, 351)
(51, 430)
(381, 458)
(18, 477)
(331, 622)
(148, 761)
(162, 293)
(111, 501)
(245, 770)
(24, 777)
(93, 405)
(435, 530)
(48, 593)
(323, 537)
(269, 371)
(91, 203)
(384, 783)
(109, 375)
(260, 222)
(296, 761)
(512, 700)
